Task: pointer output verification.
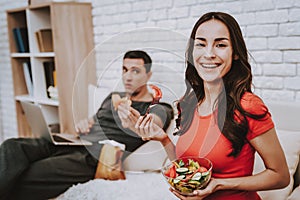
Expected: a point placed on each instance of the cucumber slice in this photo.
(197, 176)
(182, 170)
(178, 179)
(205, 173)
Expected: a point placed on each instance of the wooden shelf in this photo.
(50, 102)
(71, 46)
(20, 55)
(44, 54)
(45, 101)
(24, 98)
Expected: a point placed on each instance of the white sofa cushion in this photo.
(285, 115)
(295, 195)
(96, 97)
(290, 142)
(148, 157)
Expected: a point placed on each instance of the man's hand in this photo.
(83, 126)
(128, 115)
(117, 100)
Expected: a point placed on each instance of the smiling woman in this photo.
(212, 51)
(226, 123)
(219, 117)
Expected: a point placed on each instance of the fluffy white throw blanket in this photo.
(148, 186)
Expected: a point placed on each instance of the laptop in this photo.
(40, 128)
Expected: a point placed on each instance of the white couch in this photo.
(151, 185)
(286, 116)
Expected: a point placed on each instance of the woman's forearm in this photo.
(276, 174)
(266, 180)
(169, 148)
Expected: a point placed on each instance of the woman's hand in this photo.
(83, 126)
(128, 115)
(199, 194)
(148, 129)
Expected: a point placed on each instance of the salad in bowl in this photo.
(188, 174)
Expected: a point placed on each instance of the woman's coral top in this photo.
(204, 139)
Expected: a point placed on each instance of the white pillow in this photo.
(96, 97)
(148, 157)
(290, 142)
(295, 195)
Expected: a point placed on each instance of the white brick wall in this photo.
(8, 126)
(271, 29)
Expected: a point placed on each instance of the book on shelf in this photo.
(21, 39)
(54, 78)
(49, 69)
(44, 40)
(28, 77)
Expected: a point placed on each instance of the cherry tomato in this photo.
(171, 172)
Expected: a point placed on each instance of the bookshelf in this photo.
(70, 46)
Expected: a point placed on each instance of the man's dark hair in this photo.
(140, 54)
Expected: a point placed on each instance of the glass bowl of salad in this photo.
(188, 174)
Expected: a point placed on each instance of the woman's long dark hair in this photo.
(231, 117)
